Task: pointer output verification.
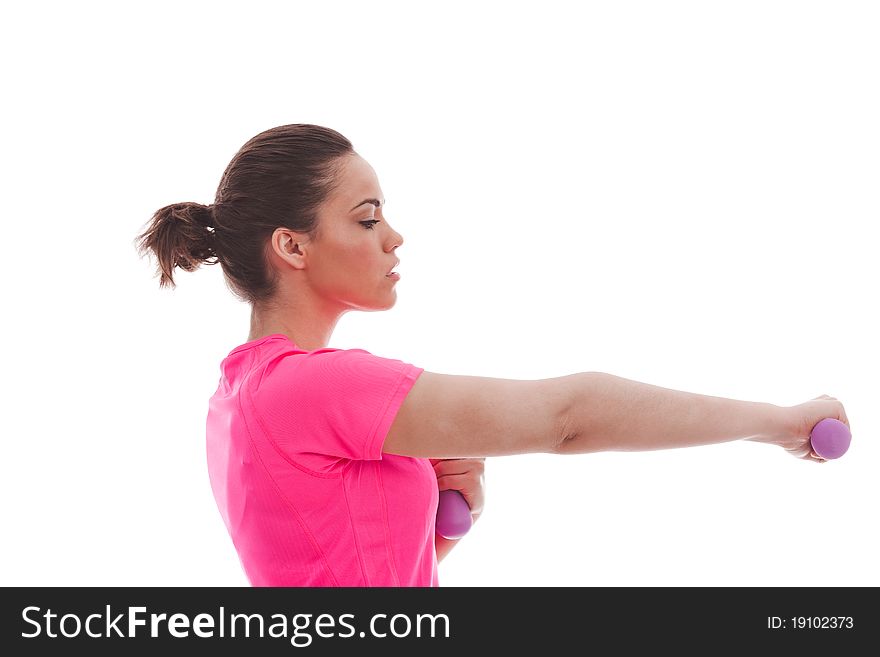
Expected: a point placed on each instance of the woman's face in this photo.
(349, 260)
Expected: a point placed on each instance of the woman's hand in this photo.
(798, 421)
(465, 476)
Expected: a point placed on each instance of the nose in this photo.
(393, 240)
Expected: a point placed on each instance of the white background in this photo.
(680, 193)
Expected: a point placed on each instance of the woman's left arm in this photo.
(465, 476)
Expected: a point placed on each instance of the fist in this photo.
(465, 476)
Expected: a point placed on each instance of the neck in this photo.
(308, 328)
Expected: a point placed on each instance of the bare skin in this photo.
(343, 268)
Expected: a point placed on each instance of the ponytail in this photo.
(181, 235)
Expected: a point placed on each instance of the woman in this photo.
(326, 463)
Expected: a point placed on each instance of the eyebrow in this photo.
(374, 201)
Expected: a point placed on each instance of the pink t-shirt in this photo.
(294, 443)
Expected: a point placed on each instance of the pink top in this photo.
(294, 442)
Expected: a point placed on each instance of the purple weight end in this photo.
(453, 515)
(830, 438)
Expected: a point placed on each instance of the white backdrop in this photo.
(681, 193)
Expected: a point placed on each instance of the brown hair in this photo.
(279, 178)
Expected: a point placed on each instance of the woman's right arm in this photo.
(455, 416)
(451, 416)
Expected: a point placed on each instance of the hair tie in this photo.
(204, 215)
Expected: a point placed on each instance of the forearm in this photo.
(610, 413)
(443, 546)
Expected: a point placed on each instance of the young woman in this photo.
(326, 463)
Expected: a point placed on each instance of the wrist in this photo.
(775, 424)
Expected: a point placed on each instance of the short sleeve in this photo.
(336, 403)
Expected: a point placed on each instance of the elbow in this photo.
(569, 428)
(563, 442)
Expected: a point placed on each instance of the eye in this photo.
(369, 224)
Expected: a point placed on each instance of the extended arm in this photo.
(450, 416)
(610, 413)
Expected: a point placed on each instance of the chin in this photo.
(375, 306)
(389, 304)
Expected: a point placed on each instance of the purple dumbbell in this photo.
(830, 438)
(453, 515)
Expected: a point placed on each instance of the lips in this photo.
(391, 271)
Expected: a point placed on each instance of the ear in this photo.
(290, 246)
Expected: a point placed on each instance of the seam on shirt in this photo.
(281, 494)
(371, 437)
(284, 455)
(388, 541)
(354, 534)
(255, 343)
